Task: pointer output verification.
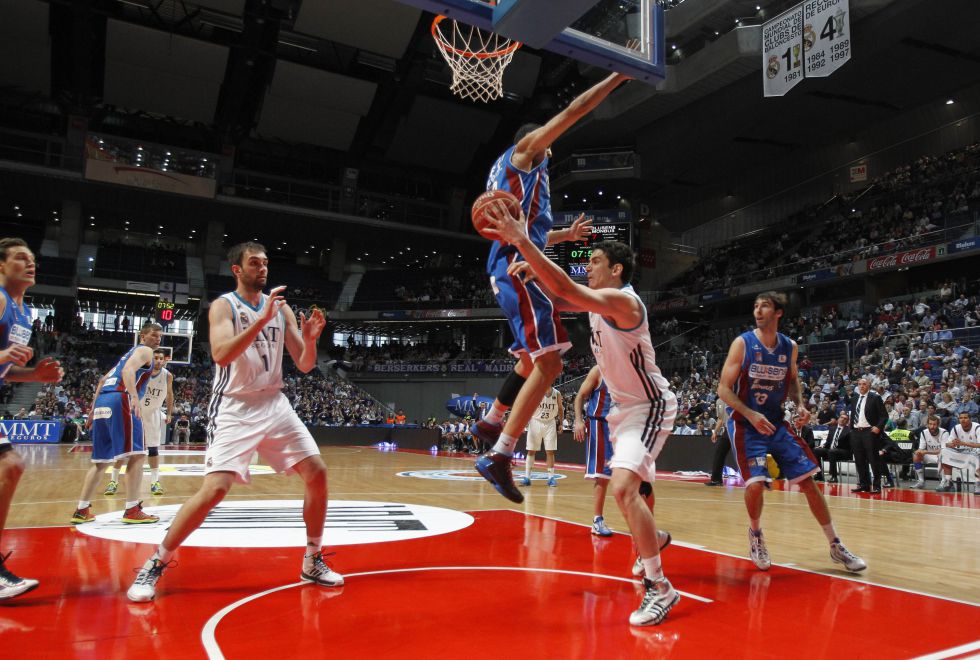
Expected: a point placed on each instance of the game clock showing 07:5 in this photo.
(574, 257)
(165, 311)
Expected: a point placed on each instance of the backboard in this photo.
(598, 37)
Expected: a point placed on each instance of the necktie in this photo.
(833, 445)
(860, 410)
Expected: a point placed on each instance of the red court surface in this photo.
(507, 584)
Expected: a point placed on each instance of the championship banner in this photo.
(826, 36)
(782, 52)
(31, 430)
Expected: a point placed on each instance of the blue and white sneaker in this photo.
(599, 527)
(525, 481)
(552, 481)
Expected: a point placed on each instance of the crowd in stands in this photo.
(899, 210)
(461, 288)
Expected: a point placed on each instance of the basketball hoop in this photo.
(477, 58)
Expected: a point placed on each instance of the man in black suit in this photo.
(837, 447)
(868, 418)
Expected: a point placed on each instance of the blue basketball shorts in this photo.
(598, 450)
(533, 318)
(790, 451)
(116, 432)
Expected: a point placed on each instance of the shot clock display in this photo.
(165, 311)
(606, 225)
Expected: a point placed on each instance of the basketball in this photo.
(479, 212)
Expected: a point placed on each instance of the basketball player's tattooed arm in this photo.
(590, 382)
(726, 383)
(301, 338)
(142, 356)
(225, 344)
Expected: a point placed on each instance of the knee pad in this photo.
(512, 385)
(646, 489)
(153, 451)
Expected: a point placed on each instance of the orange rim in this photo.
(437, 35)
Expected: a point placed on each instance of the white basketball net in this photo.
(477, 58)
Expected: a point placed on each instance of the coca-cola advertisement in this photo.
(908, 258)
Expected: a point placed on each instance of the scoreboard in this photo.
(614, 225)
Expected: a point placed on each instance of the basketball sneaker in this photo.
(487, 432)
(156, 488)
(320, 572)
(111, 488)
(525, 481)
(758, 551)
(841, 555)
(495, 468)
(10, 584)
(664, 539)
(135, 515)
(918, 484)
(552, 481)
(144, 588)
(599, 527)
(82, 516)
(946, 487)
(659, 598)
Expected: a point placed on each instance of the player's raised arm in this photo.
(611, 303)
(540, 139)
(301, 337)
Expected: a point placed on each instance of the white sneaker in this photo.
(10, 584)
(659, 598)
(144, 588)
(918, 484)
(321, 573)
(841, 555)
(758, 551)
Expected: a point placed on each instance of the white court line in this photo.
(949, 653)
(791, 566)
(213, 650)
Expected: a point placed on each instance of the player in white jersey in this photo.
(248, 413)
(643, 406)
(159, 387)
(542, 431)
(932, 439)
(962, 451)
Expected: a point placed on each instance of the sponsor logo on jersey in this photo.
(279, 524)
(782, 358)
(767, 371)
(19, 334)
(102, 412)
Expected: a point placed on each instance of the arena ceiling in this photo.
(361, 79)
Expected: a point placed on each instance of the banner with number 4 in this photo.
(826, 36)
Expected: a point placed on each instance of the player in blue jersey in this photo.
(117, 431)
(17, 269)
(539, 338)
(591, 407)
(760, 373)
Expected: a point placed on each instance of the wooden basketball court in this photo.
(440, 566)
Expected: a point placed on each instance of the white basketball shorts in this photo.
(152, 432)
(542, 433)
(638, 432)
(268, 426)
(958, 458)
